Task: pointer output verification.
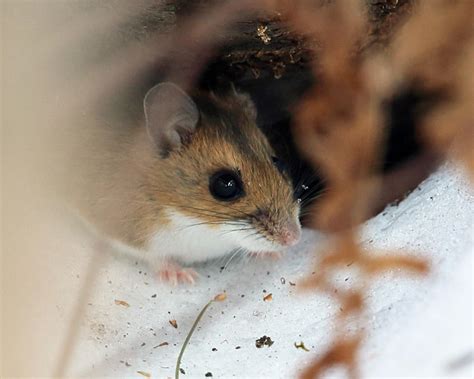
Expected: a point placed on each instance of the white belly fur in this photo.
(188, 241)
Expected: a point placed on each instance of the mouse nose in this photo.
(285, 231)
(290, 234)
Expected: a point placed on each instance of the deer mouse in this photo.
(198, 181)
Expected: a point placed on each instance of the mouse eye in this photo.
(226, 185)
(280, 165)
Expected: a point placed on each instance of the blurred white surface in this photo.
(416, 326)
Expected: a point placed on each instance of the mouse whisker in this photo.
(206, 212)
(212, 202)
(236, 230)
(257, 235)
(310, 199)
(227, 206)
(237, 251)
(212, 223)
(212, 211)
(147, 203)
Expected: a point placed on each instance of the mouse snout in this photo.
(290, 234)
(284, 231)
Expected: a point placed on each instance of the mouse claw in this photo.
(175, 274)
(187, 276)
(169, 276)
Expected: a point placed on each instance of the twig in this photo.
(220, 297)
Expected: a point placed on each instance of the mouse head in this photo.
(216, 169)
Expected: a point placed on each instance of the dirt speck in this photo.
(264, 341)
(161, 344)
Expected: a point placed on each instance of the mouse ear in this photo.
(171, 117)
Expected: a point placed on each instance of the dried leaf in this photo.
(174, 323)
(122, 303)
(144, 373)
(269, 297)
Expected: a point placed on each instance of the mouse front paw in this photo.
(174, 274)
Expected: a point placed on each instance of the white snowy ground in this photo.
(416, 326)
